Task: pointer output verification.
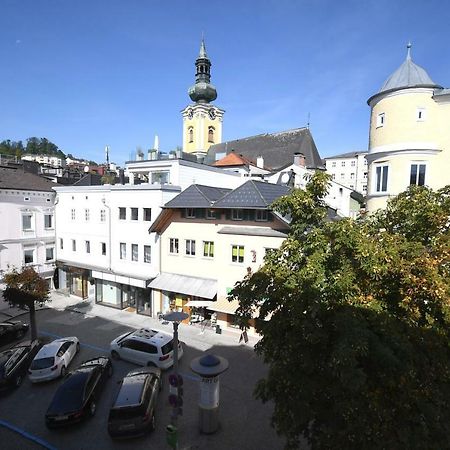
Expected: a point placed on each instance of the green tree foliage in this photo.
(26, 289)
(11, 148)
(354, 319)
(34, 146)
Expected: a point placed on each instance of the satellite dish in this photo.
(285, 177)
(86, 169)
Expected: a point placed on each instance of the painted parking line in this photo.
(103, 350)
(29, 436)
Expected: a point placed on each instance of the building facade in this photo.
(409, 140)
(349, 169)
(27, 231)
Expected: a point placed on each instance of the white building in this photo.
(349, 169)
(46, 160)
(27, 231)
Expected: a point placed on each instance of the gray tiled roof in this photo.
(277, 149)
(197, 196)
(90, 179)
(252, 194)
(346, 155)
(16, 178)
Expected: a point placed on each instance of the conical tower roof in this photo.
(408, 75)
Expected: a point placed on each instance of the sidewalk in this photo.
(192, 334)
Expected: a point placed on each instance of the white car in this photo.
(53, 359)
(145, 347)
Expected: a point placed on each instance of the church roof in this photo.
(408, 75)
(277, 149)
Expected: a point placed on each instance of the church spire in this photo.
(202, 91)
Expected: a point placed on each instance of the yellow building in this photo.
(409, 141)
(202, 121)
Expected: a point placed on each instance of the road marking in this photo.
(27, 435)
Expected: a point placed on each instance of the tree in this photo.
(27, 289)
(354, 319)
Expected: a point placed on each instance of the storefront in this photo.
(73, 280)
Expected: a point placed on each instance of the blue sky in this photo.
(86, 73)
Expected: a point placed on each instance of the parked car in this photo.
(77, 397)
(11, 330)
(133, 411)
(15, 361)
(146, 348)
(53, 359)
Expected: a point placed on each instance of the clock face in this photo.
(190, 114)
(212, 114)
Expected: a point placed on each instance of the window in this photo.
(237, 253)
(191, 134)
(49, 254)
(261, 216)
(190, 213)
(190, 247)
(333, 176)
(123, 250)
(420, 114)
(28, 256)
(27, 222)
(103, 244)
(333, 164)
(72, 214)
(88, 246)
(353, 163)
(48, 220)
(365, 175)
(237, 214)
(122, 213)
(134, 213)
(134, 252)
(351, 186)
(147, 254)
(364, 187)
(381, 178)
(342, 175)
(173, 246)
(211, 214)
(343, 163)
(74, 245)
(211, 134)
(352, 176)
(102, 215)
(147, 214)
(86, 214)
(208, 249)
(380, 120)
(160, 177)
(417, 175)
(61, 243)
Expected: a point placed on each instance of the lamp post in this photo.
(175, 317)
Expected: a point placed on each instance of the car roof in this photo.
(52, 348)
(131, 391)
(93, 362)
(153, 336)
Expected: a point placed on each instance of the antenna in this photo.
(308, 123)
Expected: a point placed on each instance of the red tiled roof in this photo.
(233, 159)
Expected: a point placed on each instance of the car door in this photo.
(71, 350)
(128, 350)
(93, 386)
(146, 353)
(63, 354)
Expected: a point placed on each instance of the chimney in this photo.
(121, 176)
(299, 159)
(260, 162)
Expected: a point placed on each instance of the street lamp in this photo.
(175, 317)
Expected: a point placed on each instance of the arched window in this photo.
(191, 134)
(211, 134)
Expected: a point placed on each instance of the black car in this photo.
(77, 397)
(11, 330)
(15, 361)
(133, 411)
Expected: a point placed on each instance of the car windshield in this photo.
(167, 348)
(130, 412)
(42, 363)
(69, 396)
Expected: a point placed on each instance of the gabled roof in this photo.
(197, 196)
(233, 159)
(277, 149)
(347, 155)
(16, 178)
(252, 194)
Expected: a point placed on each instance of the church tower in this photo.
(202, 121)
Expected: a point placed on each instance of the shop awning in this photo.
(182, 284)
(224, 306)
(199, 304)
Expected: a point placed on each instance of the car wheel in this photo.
(78, 347)
(110, 371)
(63, 371)
(18, 380)
(153, 422)
(115, 355)
(92, 408)
(151, 364)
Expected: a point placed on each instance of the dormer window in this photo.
(191, 134)
(380, 120)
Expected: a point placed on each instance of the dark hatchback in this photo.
(12, 330)
(133, 411)
(15, 361)
(77, 397)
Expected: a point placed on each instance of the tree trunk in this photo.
(33, 327)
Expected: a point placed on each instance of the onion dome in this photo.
(408, 75)
(202, 91)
